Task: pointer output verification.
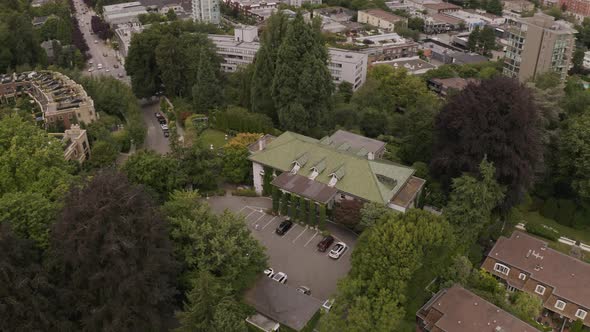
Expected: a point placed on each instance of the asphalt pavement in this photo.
(99, 51)
(154, 139)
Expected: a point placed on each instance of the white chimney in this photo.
(371, 156)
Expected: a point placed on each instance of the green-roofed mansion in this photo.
(327, 171)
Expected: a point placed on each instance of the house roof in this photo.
(568, 276)
(305, 187)
(282, 303)
(409, 192)
(383, 15)
(371, 180)
(357, 142)
(459, 310)
(441, 6)
(457, 83)
(466, 58)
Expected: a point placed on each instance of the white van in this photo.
(99, 67)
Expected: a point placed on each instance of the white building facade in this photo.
(239, 50)
(206, 11)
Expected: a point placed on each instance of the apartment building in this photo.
(527, 264)
(239, 50)
(381, 19)
(122, 13)
(206, 11)
(441, 7)
(580, 8)
(62, 101)
(75, 143)
(536, 45)
(458, 310)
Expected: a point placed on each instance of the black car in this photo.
(284, 227)
(325, 243)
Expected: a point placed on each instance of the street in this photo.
(98, 48)
(154, 139)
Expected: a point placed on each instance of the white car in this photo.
(269, 272)
(107, 70)
(90, 70)
(99, 67)
(280, 277)
(164, 126)
(338, 250)
(96, 41)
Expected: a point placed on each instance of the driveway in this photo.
(154, 138)
(295, 252)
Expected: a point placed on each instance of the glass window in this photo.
(559, 304)
(540, 289)
(581, 314)
(501, 268)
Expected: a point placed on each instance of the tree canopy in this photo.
(112, 257)
(498, 119)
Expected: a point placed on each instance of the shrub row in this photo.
(543, 231)
(244, 192)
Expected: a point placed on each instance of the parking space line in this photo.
(256, 221)
(291, 230)
(248, 216)
(311, 238)
(243, 207)
(298, 236)
(257, 208)
(268, 223)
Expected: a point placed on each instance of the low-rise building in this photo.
(586, 61)
(527, 264)
(127, 12)
(441, 8)
(517, 6)
(458, 310)
(387, 46)
(239, 50)
(448, 86)
(123, 34)
(75, 142)
(580, 8)
(62, 101)
(381, 19)
(414, 65)
(343, 166)
(441, 23)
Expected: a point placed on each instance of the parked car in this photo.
(95, 41)
(304, 290)
(338, 250)
(120, 75)
(99, 67)
(284, 227)
(105, 54)
(158, 115)
(107, 70)
(166, 133)
(280, 277)
(116, 65)
(325, 243)
(90, 70)
(269, 272)
(164, 126)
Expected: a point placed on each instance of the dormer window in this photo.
(581, 314)
(295, 168)
(333, 181)
(559, 304)
(501, 268)
(314, 173)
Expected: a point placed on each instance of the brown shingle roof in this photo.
(305, 187)
(459, 310)
(569, 277)
(384, 15)
(441, 6)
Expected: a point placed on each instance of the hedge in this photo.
(239, 119)
(543, 231)
(245, 192)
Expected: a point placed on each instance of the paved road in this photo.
(154, 139)
(98, 48)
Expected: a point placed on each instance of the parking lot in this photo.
(294, 253)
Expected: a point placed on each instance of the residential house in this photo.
(448, 86)
(458, 310)
(381, 19)
(387, 46)
(527, 264)
(414, 65)
(343, 166)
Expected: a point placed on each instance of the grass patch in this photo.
(575, 234)
(212, 136)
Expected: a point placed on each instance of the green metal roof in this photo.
(372, 180)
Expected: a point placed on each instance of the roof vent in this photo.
(529, 253)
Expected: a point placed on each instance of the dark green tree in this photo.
(265, 66)
(112, 258)
(206, 89)
(302, 86)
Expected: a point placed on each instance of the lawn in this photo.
(215, 137)
(574, 234)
